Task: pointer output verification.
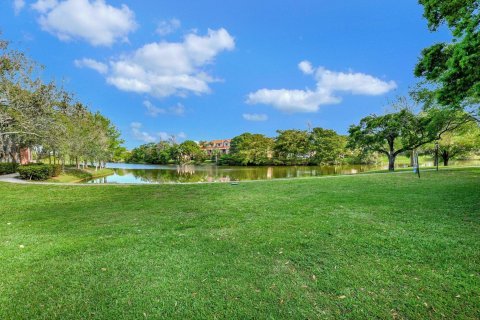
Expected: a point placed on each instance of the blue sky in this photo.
(206, 70)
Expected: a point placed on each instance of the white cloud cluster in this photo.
(146, 137)
(18, 5)
(255, 117)
(141, 135)
(168, 26)
(163, 69)
(94, 21)
(154, 111)
(329, 83)
(92, 64)
(306, 67)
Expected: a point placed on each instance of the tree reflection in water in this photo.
(129, 173)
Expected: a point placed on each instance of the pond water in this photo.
(150, 174)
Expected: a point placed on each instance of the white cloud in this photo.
(255, 117)
(92, 64)
(94, 21)
(328, 84)
(163, 68)
(146, 137)
(306, 67)
(154, 111)
(141, 135)
(167, 27)
(177, 109)
(43, 6)
(18, 5)
(165, 136)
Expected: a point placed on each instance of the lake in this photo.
(158, 174)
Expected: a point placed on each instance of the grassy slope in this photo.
(370, 246)
(77, 175)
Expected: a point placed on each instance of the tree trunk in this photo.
(445, 157)
(391, 162)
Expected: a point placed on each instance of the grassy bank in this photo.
(76, 175)
(353, 247)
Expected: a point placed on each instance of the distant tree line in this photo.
(446, 133)
(46, 118)
(290, 147)
(167, 152)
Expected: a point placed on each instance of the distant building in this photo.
(25, 156)
(221, 145)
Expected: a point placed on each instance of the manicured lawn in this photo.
(76, 175)
(383, 246)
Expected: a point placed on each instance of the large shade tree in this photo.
(452, 69)
(402, 131)
(292, 146)
(39, 115)
(326, 146)
(251, 149)
(459, 143)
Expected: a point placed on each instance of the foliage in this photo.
(39, 115)
(292, 146)
(251, 149)
(326, 146)
(394, 133)
(189, 151)
(39, 171)
(453, 67)
(458, 143)
(166, 152)
(8, 167)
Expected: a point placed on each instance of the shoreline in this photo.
(13, 178)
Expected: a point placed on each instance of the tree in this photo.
(188, 151)
(39, 115)
(453, 67)
(251, 149)
(394, 133)
(292, 146)
(326, 146)
(459, 143)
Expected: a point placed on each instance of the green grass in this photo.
(383, 246)
(77, 175)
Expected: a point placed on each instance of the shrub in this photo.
(56, 170)
(8, 167)
(39, 172)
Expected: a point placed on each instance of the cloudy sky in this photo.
(213, 69)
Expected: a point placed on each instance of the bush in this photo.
(8, 167)
(39, 172)
(56, 170)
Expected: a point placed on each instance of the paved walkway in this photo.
(12, 178)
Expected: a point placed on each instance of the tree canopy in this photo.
(402, 131)
(43, 116)
(452, 68)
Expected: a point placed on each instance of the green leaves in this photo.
(453, 68)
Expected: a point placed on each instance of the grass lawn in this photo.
(382, 246)
(75, 175)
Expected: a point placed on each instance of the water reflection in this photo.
(134, 173)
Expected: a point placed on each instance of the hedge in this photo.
(8, 167)
(39, 171)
